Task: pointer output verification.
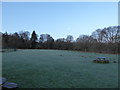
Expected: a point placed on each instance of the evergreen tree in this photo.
(33, 39)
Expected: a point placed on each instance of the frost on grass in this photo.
(46, 69)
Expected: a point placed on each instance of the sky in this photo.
(58, 19)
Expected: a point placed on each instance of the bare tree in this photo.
(24, 35)
(69, 38)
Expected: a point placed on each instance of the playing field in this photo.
(59, 69)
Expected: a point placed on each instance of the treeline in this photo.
(105, 40)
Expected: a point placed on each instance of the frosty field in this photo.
(59, 69)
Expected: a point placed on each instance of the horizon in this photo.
(59, 19)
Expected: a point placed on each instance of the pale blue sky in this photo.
(58, 19)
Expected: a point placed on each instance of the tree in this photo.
(97, 35)
(24, 35)
(33, 39)
(50, 42)
(107, 39)
(107, 35)
(69, 42)
(5, 40)
(69, 38)
(85, 42)
(0, 40)
(41, 39)
(44, 38)
(46, 41)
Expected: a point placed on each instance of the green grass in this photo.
(59, 69)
